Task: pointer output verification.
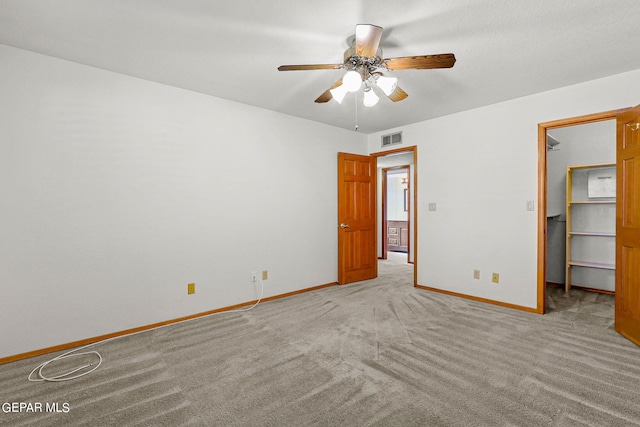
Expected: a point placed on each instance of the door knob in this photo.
(343, 225)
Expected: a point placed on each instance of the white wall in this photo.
(480, 167)
(117, 192)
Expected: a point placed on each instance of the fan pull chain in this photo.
(356, 127)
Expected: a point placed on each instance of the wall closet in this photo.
(575, 254)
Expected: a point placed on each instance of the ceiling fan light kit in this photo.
(352, 81)
(387, 84)
(338, 93)
(365, 64)
(370, 97)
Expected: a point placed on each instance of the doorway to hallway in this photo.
(396, 207)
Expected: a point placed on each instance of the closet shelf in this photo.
(592, 265)
(593, 188)
(592, 202)
(591, 233)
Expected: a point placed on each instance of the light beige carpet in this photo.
(375, 353)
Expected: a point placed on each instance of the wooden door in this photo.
(357, 258)
(627, 312)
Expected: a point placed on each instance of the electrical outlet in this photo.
(265, 274)
(495, 278)
(254, 277)
(191, 288)
(476, 274)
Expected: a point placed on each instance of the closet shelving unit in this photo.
(595, 223)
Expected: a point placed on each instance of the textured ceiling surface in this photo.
(231, 49)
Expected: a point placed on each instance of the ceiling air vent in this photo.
(392, 139)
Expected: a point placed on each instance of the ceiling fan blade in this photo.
(367, 39)
(398, 95)
(445, 60)
(309, 67)
(326, 95)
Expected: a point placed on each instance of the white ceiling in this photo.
(231, 49)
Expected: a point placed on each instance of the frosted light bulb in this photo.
(387, 84)
(352, 81)
(339, 93)
(370, 98)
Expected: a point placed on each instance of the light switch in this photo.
(530, 205)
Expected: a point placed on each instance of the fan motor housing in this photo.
(351, 57)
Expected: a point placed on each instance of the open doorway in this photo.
(581, 222)
(573, 144)
(396, 206)
(396, 203)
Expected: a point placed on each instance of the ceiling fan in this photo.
(365, 65)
